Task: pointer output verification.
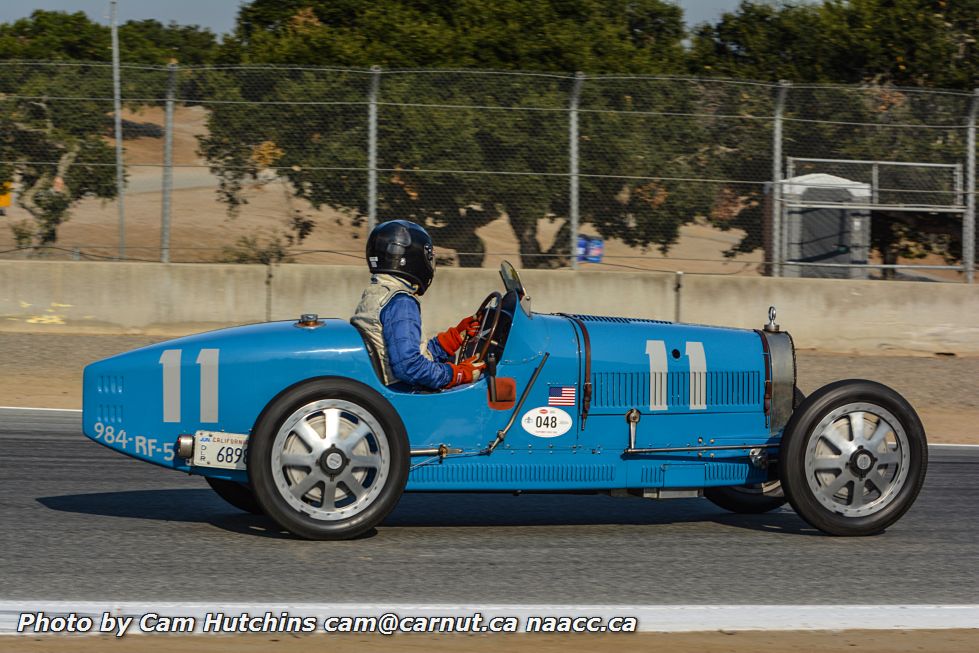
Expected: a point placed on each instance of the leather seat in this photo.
(372, 354)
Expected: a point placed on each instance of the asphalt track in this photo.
(80, 522)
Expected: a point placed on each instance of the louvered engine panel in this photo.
(504, 474)
(109, 384)
(715, 389)
(619, 320)
(109, 413)
(729, 471)
(109, 388)
(651, 475)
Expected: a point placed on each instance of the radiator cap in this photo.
(309, 321)
(771, 326)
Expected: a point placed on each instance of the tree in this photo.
(524, 137)
(876, 46)
(62, 36)
(54, 148)
(919, 43)
(53, 134)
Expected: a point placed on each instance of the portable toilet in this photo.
(826, 219)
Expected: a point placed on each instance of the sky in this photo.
(219, 15)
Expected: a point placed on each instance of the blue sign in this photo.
(589, 250)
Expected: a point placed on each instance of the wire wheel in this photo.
(857, 460)
(330, 459)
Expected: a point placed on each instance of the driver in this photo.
(402, 264)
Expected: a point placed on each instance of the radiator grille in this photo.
(720, 389)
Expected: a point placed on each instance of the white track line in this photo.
(652, 618)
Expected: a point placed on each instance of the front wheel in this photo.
(853, 458)
(329, 459)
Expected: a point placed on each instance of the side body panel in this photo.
(692, 385)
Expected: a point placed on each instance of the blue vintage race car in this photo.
(291, 419)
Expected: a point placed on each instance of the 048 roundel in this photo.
(546, 422)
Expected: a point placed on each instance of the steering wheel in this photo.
(488, 315)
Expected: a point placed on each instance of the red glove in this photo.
(465, 372)
(451, 338)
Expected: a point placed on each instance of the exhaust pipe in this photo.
(184, 447)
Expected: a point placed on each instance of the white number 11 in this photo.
(207, 359)
(658, 368)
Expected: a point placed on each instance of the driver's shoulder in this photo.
(404, 300)
(401, 305)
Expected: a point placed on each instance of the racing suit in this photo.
(389, 315)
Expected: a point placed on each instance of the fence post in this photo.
(117, 105)
(875, 183)
(167, 183)
(372, 147)
(573, 211)
(776, 216)
(969, 219)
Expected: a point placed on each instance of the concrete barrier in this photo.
(129, 296)
(842, 315)
(832, 315)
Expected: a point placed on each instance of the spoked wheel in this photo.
(854, 457)
(330, 459)
(237, 494)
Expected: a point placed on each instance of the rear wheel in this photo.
(329, 459)
(237, 494)
(748, 499)
(853, 458)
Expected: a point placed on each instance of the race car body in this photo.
(293, 415)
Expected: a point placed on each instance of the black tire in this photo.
(842, 480)
(752, 499)
(798, 396)
(384, 445)
(747, 500)
(237, 494)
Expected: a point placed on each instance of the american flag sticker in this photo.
(561, 395)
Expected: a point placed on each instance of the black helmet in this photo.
(403, 249)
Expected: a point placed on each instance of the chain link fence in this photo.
(272, 163)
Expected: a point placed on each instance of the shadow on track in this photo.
(190, 506)
(436, 510)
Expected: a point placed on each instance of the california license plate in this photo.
(223, 450)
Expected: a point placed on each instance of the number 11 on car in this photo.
(659, 368)
(207, 359)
